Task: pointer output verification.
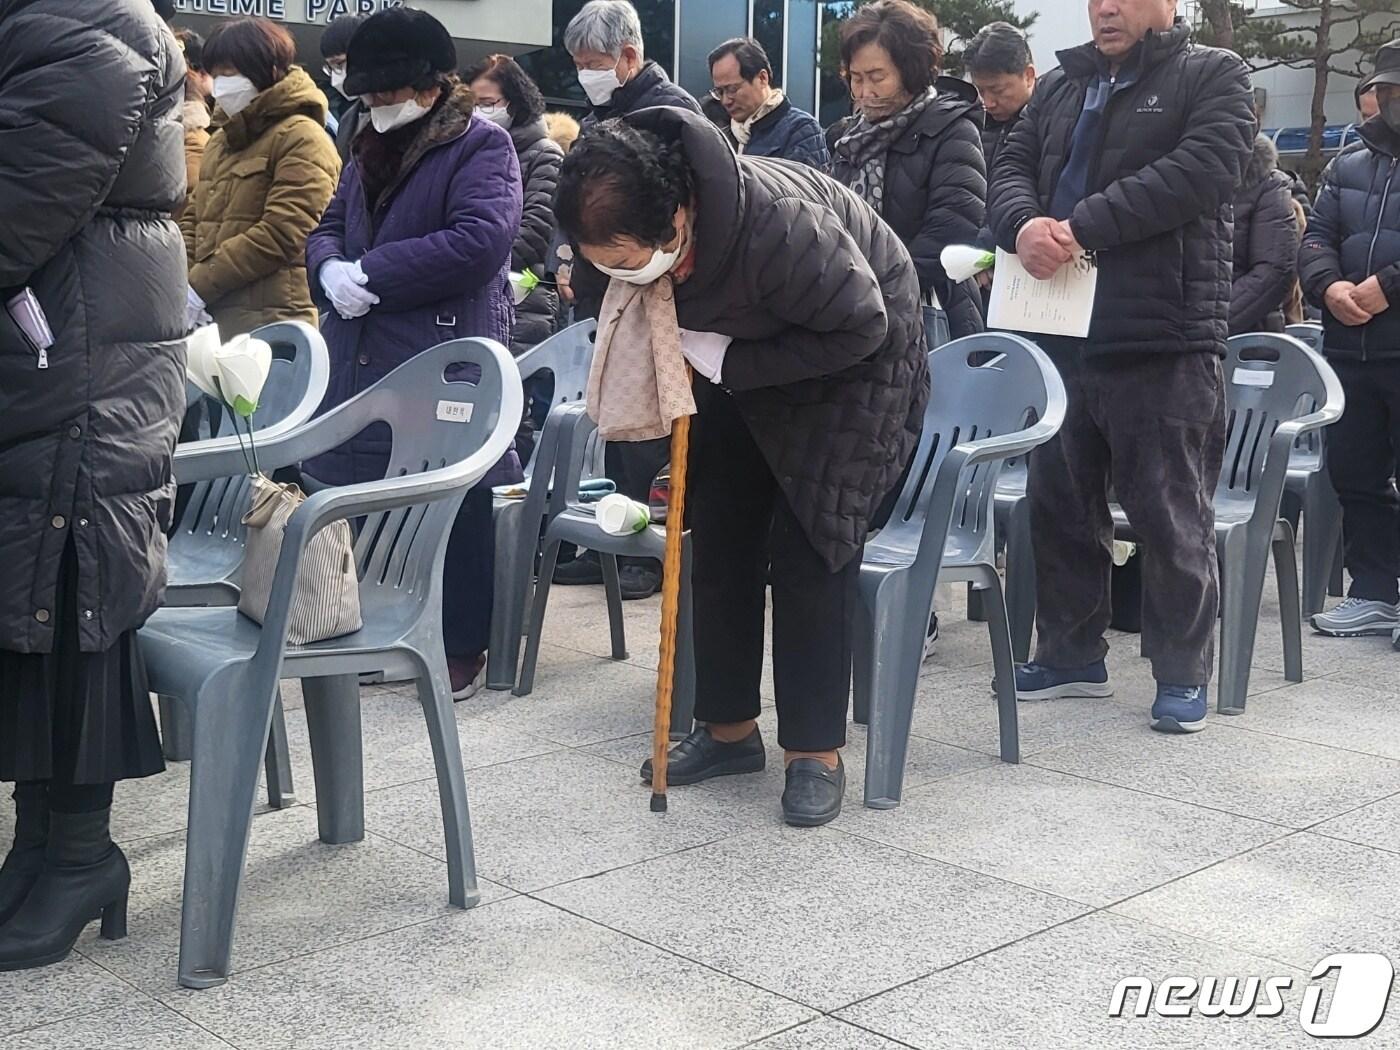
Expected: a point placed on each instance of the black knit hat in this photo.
(336, 39)
(395, 49)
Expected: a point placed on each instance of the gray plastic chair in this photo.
(1310, 500)
(568, 356)
(206, 549)
(1013, 523)
(1293, 392)
(575, 522)
(226, 668)
(994, 396)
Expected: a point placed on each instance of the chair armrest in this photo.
(1280, 450)
(575, 427)
(222, 458)
(1009, 446)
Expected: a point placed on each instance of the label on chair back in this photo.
(1248, 377)
(455, 411)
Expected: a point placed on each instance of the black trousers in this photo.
(1363, 448)
(468, 577)
(744, 534)
(1152, 425)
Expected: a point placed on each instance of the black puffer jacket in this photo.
(822, 302)
(1266, 244)
(540, 158)
(936, 193)
(650, 87)
(994, 136)
(93, 166)
(1158, 212)
(1354, 233)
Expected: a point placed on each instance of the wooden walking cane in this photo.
(670, 610)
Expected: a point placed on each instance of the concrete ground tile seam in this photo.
(532, 974)
(1076, 838)
(1309, 896)
(776, 886)
(145, 1024)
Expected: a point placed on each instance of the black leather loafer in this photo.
(814, 792)
(700, 757)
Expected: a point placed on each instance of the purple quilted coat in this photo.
(436, 251)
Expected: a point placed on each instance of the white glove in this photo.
(705, 352)
(196, 316)
(344, 283)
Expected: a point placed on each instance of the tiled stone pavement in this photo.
(996, 908)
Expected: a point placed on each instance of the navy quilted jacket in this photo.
(791, 134)
(1354, 233)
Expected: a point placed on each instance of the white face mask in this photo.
(387, 118)
(661, 264)
(338, 80)
(499, 114)
(234, 94)
(599, 84)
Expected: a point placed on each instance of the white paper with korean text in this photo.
(1062, 305)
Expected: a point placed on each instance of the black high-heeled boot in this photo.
(85, 877)
(25, 860)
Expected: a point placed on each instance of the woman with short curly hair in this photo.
(799, 310)
(913, 147)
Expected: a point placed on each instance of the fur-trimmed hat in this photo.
(395, 49)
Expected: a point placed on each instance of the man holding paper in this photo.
(1131, 150)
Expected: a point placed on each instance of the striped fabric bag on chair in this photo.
(326, 602)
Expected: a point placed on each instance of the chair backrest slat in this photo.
(434, 422)
(1269, 379)
(981, 386)
(567, 356)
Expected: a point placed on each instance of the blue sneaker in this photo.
(1179, 708)
(1036, 682)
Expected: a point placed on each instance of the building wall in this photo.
(517, 22)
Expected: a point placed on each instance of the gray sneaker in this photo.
(1355, 617)
(1395, 639)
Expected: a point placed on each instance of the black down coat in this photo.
(821, 299)
(540, 157)
(1174, 144)
(1353, 234)
(936, 193)
(91, 167)
(1266, 244)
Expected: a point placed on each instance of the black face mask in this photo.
(1390, 112)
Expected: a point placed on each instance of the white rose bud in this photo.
(961, 261)
(200, 366)
(243, 364)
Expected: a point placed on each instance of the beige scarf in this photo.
(744, 131)
(639, 384)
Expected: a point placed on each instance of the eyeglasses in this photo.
(331, 69)
(724, 91)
